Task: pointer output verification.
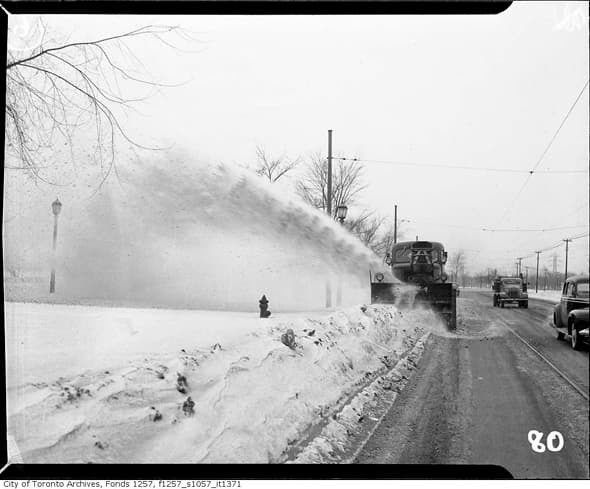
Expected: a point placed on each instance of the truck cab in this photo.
(418, 262)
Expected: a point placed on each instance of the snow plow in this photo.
(419, 264)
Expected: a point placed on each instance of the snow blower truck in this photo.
(418, 263)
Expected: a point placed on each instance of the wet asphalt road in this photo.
(477, 393)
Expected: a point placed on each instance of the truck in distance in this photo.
(510, 290)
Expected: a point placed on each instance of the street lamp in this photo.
(341, 211)
(56, 208)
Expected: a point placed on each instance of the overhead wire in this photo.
(530, 173)
(458, 167)
(556, 245)
(560, 126)
(515, 230)
(528, 178)
(542, 230)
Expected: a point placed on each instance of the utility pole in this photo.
(395, 224)
(566, 251)
(537, 277)
(329, 210)
(545, 282)
(329, 190)
(519, 266)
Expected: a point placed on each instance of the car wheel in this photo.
(502, 305)
(525, 304)
(576, 343)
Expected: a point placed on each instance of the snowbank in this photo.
(120, 394)
(344, 435)
(545, 295)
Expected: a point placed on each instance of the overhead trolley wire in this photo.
(579, 236)
(560, 126)
(517, 230)
(457, 167)
(496, 230)
(511, 206)
(556, 245)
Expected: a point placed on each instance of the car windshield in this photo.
(583, 289)
(511, 281)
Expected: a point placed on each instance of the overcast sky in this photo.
(486, 92)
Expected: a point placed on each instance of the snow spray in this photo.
(174, 232)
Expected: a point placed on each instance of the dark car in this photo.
(570, 316)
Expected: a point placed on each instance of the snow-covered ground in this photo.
(545, 295)
(92, 384)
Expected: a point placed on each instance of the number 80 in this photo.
(554, 441)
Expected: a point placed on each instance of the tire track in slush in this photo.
(546, 360)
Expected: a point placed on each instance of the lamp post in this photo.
(56, 208)
(341, 211)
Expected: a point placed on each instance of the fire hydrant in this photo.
(263, 304)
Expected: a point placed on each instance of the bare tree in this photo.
(346, 183)
(480, 279)
(365, 226)
(457, 263)
(273, 168)
(385, 239)
(55, 89)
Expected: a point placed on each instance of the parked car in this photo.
(570, 316)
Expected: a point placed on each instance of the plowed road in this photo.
(478, 393)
